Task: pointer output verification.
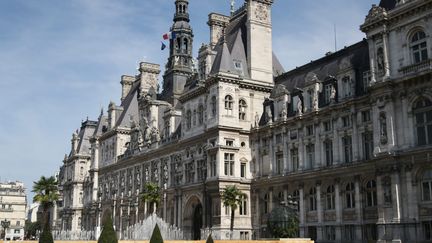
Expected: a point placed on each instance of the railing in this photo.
(421, 66)
(6, 210)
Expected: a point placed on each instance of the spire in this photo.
(182, 11)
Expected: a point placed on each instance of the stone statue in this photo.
(333, 94)
(315, 101)
(300, 107)
(383, 128)
(256, 119)
(380, 59)
(284, 113)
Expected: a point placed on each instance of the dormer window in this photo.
(346, 86)
(419, 47)
(229, 103)
(242, 110)
(238, 66)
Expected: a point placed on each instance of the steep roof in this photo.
(355, 56)
(388, 4)
(87, 130)
(130, 106)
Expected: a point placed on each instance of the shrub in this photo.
(46, 236)
(156, 235)
(108, 234)
(209, 239)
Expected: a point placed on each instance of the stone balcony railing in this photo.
(418, 67)
(7, 210)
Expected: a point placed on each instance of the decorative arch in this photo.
(193, 216)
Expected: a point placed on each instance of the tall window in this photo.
(200, 114)
(243, 205)
(266, 203)
(330, 233)
(327, 93)
(427, 230)
(242, 110)
(367, 145)
(188, 119)
(346, 86)
(212, 165)
(328, 147)
(349, 232)
(419, 47)
(367, 78)
(371, 194)
(347, 148)
(229, 164)
(194, 118)
(294, 159)
(350, 195)
(310, 153)
(423, 121)
(229, 103)
(312, 199)
(427, 186)
(213, 105)
(330, 198)
(243, 170)
(279, 164)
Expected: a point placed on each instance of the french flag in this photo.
(169, 36)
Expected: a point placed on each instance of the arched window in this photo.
(178, 45)
(242, 110)
(188, 119)
(371, 195)
(423, 121)
(185, 45)
(229, 103)
(213, 105)
(296, 199)
(194, 117)
(330, 198)
(312, 199)
(419, 47)
(427, 186)
(350, 195)
(200, 114)
(243, 205)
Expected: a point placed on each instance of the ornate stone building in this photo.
(347, 137)
(13, 205)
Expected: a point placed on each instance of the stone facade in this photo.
(13, 205)
(347, 137)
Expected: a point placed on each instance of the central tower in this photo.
(179, 66)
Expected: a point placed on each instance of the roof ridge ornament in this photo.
(232, 7)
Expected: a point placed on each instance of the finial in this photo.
(232, 7)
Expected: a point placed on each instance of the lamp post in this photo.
(5, 224)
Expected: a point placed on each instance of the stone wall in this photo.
(198, 241)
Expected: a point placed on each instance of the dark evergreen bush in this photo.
(108, 234)
(156, 236)
(209, 239)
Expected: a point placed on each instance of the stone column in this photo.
(355, 139)
(285, 151)
(319, 212)
(301, 155)
(380, 199)
(372, 60)
(335, 143)
(386, 54)
(358, 207)
(396, 195)
(338, 209)
(302, 212)
(272, 154)
(270, 200)
(318, 148)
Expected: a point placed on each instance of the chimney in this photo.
(217, 24)
(149, 74)
(111, 115)
(126, 82)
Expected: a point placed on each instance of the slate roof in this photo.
(329, 66)
(388, 4)
(87, 130)
(130, 107)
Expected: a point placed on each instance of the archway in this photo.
(193, 218)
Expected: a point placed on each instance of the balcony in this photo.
(7, 210)
(418, 67)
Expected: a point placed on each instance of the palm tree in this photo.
(46, 193)
(151, 195)
(232, 197)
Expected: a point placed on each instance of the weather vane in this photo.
(232, 7)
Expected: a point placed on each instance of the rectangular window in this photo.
(330, 233)
(310, 156)
(229, 164)
(229, 143)
(309, 130)
(346, 121)
(17, 231)
(346, 85)
(327, 126)
(279, 164)
(427, 230)
(278, 138)
(347, 148)
(293, 134)
(294, 159)
(212, 165)
(243, 170)
(349, 232)
(367, 145)
(427, 190)
(328, 147)
(244, 235)
(327, 93)
(370, 232)
(366, 116)
(243, 206)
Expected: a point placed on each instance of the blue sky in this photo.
(61, 61)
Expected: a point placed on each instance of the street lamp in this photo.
(5, 224)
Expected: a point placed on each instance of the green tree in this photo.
(151, 195)
(46, 193)
(209, 239)
(108, 234)
(31, 229)
(232, 197)
(156, 235)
